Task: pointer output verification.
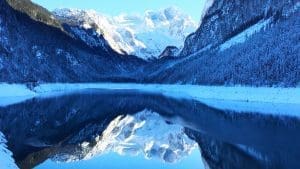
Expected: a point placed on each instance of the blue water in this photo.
(40, 132)
(116, 161)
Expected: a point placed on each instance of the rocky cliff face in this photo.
(170, 51)
(35, 11)
(35, 48)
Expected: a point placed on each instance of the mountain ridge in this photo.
(237, 46)
(145, 36)
(49, 54)
(232, 46)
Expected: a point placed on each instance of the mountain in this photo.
(229, 21)
(241, 42)
(143, 133)
(170, 51)
(145, 36)
(250, 42)
(34, 46)
(35, 12)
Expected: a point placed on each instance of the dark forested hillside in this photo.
(32, 50)
(260, 51)
(241, 42)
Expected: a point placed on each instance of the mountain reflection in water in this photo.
(96, 123)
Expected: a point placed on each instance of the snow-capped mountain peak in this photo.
(145, 36)
(145, 133)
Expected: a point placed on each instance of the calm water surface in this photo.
(127, 129)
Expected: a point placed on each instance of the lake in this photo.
(124, 129)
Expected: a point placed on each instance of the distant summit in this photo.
(145, 36)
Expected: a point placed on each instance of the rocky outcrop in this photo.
(170, 51)
(35, 11)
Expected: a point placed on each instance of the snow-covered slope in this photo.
(6, 160)
(143, 133)
(145, 36)
(33, 50)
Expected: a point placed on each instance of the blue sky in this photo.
(115, 7)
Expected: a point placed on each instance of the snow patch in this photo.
(90, 40)
(38, 53)
(14, 93)
(253, 152)
(14, 90)
(6, 160)
(59, 51)
(71, 59)
(237, 93)
(295, 8)
(282, 101)
(242, 37)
